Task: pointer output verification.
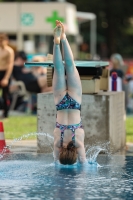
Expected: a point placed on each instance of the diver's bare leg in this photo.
(73, 80)
(59, 82)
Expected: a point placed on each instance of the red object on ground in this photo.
(2, 139)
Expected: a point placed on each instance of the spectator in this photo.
(35, 84)
(6, 66)
(120, 68)
(118, 65)
(84, 51)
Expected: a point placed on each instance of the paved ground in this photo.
(23, 145)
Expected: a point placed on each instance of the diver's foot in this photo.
(63, 35)
(57, 34)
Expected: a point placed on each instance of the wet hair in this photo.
(68, 156)
(21, 54)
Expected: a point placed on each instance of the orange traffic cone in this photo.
(2, 140)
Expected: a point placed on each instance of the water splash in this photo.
(49, 141)
(3, 152)
(91, 155)
(93, 152)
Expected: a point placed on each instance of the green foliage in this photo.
(16, 126)
(129, 129)
(112, 23)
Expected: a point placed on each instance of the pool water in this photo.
(35, 176)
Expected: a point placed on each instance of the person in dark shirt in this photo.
(118, 71)
(120, 68)
(35, 84)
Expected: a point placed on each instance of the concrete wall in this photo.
(103, 117)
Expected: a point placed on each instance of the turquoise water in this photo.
(35, 176)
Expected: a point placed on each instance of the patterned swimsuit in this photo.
(68, 103)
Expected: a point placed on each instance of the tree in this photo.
(113, 23)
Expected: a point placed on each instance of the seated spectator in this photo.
(35, 84)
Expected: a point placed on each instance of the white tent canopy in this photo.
(39, 18)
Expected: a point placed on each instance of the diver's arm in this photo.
(81, 153)
(56, 152)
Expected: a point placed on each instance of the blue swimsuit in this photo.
(68, 103)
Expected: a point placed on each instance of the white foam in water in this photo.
(45, 179)
(91, 152)
(94, 151)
